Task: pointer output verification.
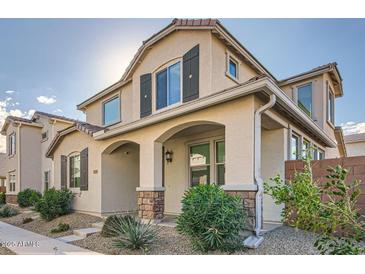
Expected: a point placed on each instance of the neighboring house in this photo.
(3, 171)
(27, 142)
(194, 107)
(355, 144)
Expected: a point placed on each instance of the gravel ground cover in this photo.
(5, 251)
(38, 225)
(281, 241)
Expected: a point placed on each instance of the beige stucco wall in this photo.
(177, 172)
(3, 165)
(212, 71)
(120, 178)
(236, 116)
(46, 163)
(13, 161)
(273, 156)
(355, 149)
(90, 200)
(30, 157)
(319, 101)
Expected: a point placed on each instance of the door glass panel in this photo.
(199, 155)
(200, 175)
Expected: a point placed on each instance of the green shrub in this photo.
(211, 218)
(27, 220)
(330, 210)
(2, 198)
(110, 223)
(28, 197)
(8, 211)
(130, 232)
(60, 228)
(54, 203)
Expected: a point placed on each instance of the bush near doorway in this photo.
(211, 218)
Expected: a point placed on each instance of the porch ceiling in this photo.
(196, 130)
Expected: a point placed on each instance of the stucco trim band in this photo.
(150, 189)
(241, 187)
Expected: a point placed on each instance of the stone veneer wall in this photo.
(249, 200)
(151, 204)
(11, 198)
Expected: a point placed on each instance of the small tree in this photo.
(335, 217)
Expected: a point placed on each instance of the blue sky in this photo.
(53, 64)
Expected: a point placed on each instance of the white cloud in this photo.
(9, 91)
(46, 100)
(353, 128)
(58, 110)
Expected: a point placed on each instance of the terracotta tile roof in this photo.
(53, 116)
(195, 22)
(87, 128)
(360, 137)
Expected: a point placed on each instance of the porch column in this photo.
(150, 192)
(239, 180)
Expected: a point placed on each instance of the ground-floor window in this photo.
(200, 164)
(46, 180)
(294, 149)
(220, 158)
(12, 182)
(75, 171)
(203, 168)
(318, 154)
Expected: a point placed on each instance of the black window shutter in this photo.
(63, 172)
(84, 169)
(191, 74)
(145, 95)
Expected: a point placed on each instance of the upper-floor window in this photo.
(168, 86)
(111, 111)
(232, 68)
(305, 98)
(44, 135)
(294, 147)
(75, 171)
(331, 107)
(12, 144)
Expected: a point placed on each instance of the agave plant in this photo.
(130, 232)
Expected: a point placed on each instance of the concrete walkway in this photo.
(24, 242)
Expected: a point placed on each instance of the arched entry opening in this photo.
(194, 153)
(120, 177)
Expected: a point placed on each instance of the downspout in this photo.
(257, 163)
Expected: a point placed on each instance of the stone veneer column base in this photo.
(249, 200)
(151, 204)
(11, 198)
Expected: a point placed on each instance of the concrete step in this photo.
(98, 225)
(70, 238)
(85, 232)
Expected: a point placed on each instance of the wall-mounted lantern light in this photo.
(168, 156)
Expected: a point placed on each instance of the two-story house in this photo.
(194, 107)
(25, 164)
